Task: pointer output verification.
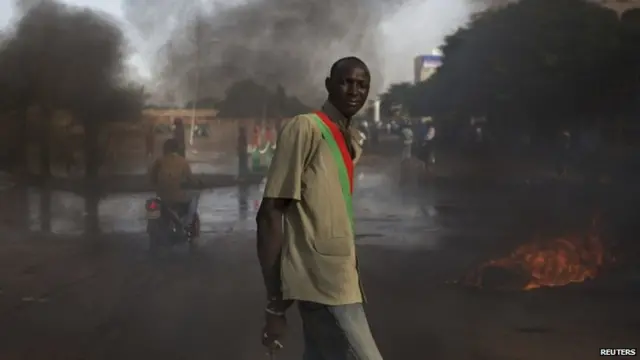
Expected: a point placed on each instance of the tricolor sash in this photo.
(340, 154)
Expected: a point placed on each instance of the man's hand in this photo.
(274, 329)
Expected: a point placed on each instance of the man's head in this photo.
(171, 146)
(348, 85)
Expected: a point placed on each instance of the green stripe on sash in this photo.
(343, 174)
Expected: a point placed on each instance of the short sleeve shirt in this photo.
(172, 171)
(318, 261)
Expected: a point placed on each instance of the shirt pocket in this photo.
(334, 246)
(338, 215)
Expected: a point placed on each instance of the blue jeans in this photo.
(337, 333)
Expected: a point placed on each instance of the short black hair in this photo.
(171, 146)
(349, 59)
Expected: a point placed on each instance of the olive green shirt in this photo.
(318, 261)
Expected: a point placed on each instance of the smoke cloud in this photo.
(288, 42)
(63, 58)
(62, 55)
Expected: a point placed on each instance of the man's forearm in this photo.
(270, 241)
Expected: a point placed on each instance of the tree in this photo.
(626, 73)
(114, 103)
(14, 100)
(544, 58)
(203, 103)
(248, 99)
(61, 56)
(289, 105)
(398, 95)
(67, 58)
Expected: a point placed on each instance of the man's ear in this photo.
(327, 84)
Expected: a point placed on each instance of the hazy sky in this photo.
(417, 28)
(138, 63)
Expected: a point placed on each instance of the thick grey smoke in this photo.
(65, 55)
(58, 57)
(288, 42)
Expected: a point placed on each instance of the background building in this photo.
(426, 65)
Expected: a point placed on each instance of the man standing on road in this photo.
(178, 135)
(150, 137)
(306, 242)
(407, 139)
(243, 156)
(426, 134)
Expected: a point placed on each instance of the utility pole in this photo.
(197, 38)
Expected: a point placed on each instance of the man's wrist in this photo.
(277, 306)
(270, 311)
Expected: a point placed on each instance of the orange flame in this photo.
(555, 262)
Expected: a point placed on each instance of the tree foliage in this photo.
(398, 95)
(248, 99)
(60, 57)
(556, 61)
(627, 71)
(203, 103)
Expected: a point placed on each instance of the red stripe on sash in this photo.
(341, 141)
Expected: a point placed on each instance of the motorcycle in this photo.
(166, 225)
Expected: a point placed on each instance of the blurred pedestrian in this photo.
(243, 155)
(150, 138)
(406, 136)
(425, 139)
(178, 135)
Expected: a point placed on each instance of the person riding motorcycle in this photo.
(170, 175)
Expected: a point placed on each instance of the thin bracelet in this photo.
(273, 312)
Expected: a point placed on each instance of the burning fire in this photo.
(555, 262)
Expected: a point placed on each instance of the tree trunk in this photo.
(45, 143)
(24, 168)
(45, 208)
(92, 219)
(22, 153)
(92, 167)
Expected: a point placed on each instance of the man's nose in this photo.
(352, 89)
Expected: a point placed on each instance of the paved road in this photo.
(62, 298)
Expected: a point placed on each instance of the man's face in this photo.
(348, 88)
